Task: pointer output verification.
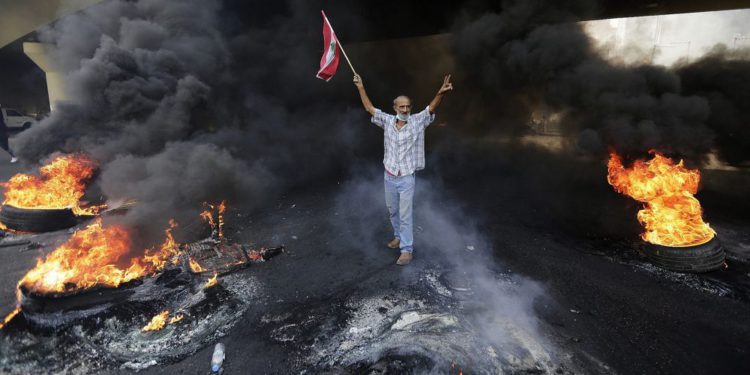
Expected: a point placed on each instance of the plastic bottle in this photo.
(217, 358)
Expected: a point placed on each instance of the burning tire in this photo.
(37, 220)
(54, 310)
(58, 309)
(701, 258)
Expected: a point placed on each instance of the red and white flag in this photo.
(330, 60)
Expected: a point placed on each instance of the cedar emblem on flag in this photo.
(330, 60)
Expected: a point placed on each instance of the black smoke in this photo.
(722, 77)
(533, 55)
(183, 103)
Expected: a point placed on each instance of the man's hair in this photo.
(401, 96)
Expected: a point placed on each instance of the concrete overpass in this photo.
(19, 18)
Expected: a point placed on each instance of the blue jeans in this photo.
(399, 195)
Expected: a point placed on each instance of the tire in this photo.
(26, 126)
(56, 310)
(37, 220)
(62, 302)
(701, 258)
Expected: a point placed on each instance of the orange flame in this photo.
(453, 367)
(220, 215)
(96, 256)
(60, 184)
(167, 252)
(195, 267)
(10, 317)
(209, 217)
(176, 318)
(157, 322)
(671, 214)
(15, 311)
(217, 225)
(212, 281)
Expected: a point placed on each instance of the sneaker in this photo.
(404, 259)
(394, 243)
(13, 159)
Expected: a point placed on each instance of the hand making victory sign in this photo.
(447, 86)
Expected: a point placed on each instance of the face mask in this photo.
(403, 116)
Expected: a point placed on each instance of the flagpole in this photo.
(341, 46)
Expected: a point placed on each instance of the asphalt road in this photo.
(543, 218)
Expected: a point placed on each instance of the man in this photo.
(4, 137)
(404, 154)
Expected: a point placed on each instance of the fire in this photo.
(16, 310)
(211, 282)
(220, 216)
(217, 225)
(157, 322)
(453, 367)
(206, 215)
(60, 184)
(167, 252)
(10, 317)
(96, 256)
(671, 214)
(195, 267)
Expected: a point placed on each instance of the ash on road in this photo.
(525, 262)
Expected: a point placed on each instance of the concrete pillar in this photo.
(19, 18)
(56, 89)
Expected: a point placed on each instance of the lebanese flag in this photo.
(330, 60)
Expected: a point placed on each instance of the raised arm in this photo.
(363, 95)
(447, 86)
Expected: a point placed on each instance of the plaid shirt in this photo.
(404, 149)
